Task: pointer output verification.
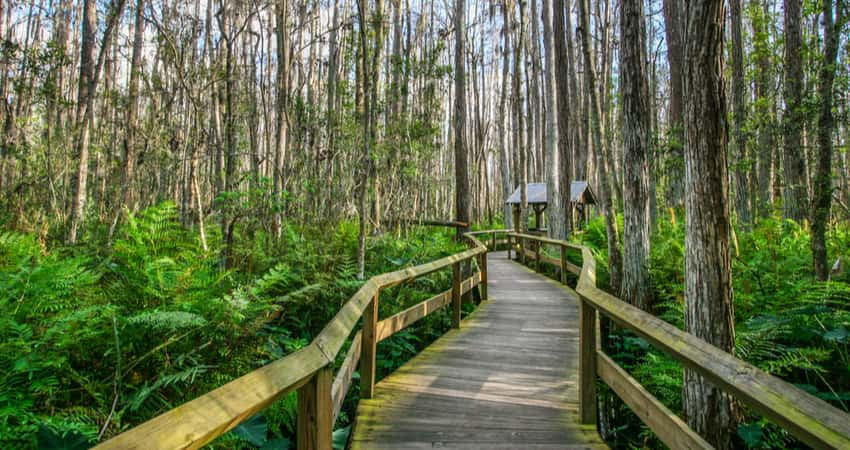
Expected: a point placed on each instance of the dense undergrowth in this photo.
(787, 323)
(98, 338)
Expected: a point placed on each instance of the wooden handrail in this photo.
(309, 370)
(810, 419)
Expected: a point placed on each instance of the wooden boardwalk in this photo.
(506, 380)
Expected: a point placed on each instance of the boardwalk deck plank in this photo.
(506, 380)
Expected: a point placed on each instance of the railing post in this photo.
(314, 426)
(466, 272)
(482, 265)
(563, 264)
(509, 247)
(369, 345)
(537, 246)
(587, 363)
(456, 295)
(493, 249)
(522, 250)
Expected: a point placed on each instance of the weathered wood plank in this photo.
(672, 430)
(393, 324)
(456, 293)
(342, 381)
(314, 427)
(369, 348)
(196, 423)
(587, 371)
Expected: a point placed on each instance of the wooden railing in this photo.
(812, 420)
(310, 369)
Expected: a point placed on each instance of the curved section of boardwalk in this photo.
(508, 379)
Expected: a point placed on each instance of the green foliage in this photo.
(155, 320)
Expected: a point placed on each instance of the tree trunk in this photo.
(504, 159)
(794, 164)
(739, 117)
(519, 122)
(709, 311)
(133, 105)
(565, 147)
(822, 200)
(370, 62)
(764, 105)
(615, 262)
(554, 209)
(90, 68)
(636, 287)
(462, 200)
(281, 113)
(674, 28)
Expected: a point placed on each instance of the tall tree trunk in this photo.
(519, 121)
(764, 106)
(674, 29)
(794, 163)
(636, 287)
(281, 112)
(565, 145)
(85, 90)
(709, 312)
(133, 105)
(822, 200)
(90, 67)
(739, 117)
(554, 208)
(370, 62)
(504, 159)
(462, 200)
(615, 261)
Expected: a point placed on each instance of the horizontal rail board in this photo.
(342, 381)
(199, 421)
(546, 240)
(399, 321)
(672, 430)
(393, 324)
(544, 258)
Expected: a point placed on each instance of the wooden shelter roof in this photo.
(579, 193)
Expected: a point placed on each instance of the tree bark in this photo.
(674, 30)
(281, 112)
(565, 145)
(709, 312)
(615, 262)
(554, 208)
(636, 287)
(822, 201)
(90, 68)
(519, 121)
(133, 105)
(742, 165)
(504, 158)
(764, 105)
(462, 199)
(794, 164)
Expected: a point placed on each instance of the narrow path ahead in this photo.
(508, 379)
